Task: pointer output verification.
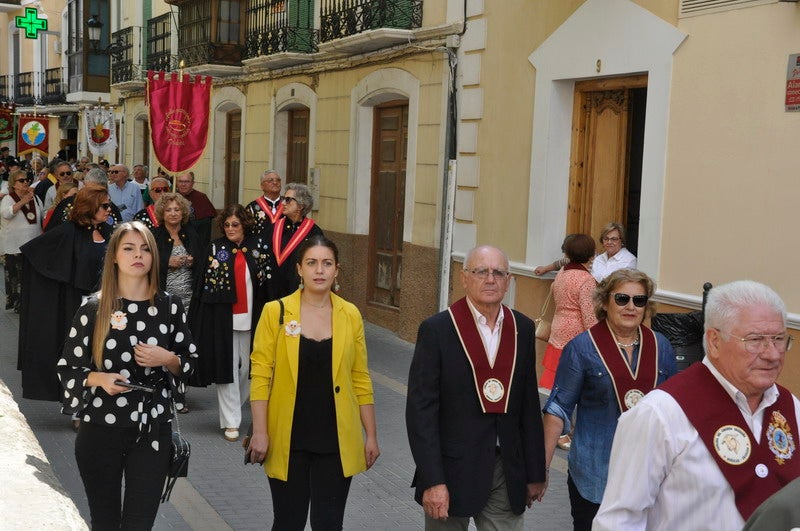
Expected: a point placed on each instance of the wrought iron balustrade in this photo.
(54, 86)
(272, 29)
(24, 90)
(159, 42)
(126, 64)
(6, 84)
(342, 18)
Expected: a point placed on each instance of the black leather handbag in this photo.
(179, 461)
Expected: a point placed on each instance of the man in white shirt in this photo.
(707, 447)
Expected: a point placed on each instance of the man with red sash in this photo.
(710, 445)
(472, 412)
(268, 208)
(147, 215)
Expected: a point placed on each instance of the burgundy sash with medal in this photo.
(281, 254)
(492, 383)
(755, 471)
(629, 387)
(28, 209)
(151, 213)
(267, 209)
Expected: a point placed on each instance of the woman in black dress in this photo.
(128, 332)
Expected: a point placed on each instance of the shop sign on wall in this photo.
(793, 83)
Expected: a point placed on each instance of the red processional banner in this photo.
(179, 111)
(6, 121)
(33, 136)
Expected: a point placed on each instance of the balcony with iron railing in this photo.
(364, 25)
(9, 6)
(127, 60)
(137, 55)
(278, 36)
(34, 88)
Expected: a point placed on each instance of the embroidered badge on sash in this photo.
(779, 438)
(632, 397)
(732, 444)
(493, 390)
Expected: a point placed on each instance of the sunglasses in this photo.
(25, 180)
(107, 206)
(64, 173)
(160, 189)
(288, 200)
(622, 299)
(115, 171)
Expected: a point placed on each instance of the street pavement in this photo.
(222, 493)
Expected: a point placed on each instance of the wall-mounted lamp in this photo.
(115, 49)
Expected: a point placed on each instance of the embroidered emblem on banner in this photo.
(493, 390)
(732, 444)
(779, 438)
(179, 124)
(632, 398)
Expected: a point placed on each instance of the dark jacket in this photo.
(452, 440)
(191, 242)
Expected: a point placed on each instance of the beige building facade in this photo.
(665, 115)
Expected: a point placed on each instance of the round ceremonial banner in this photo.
(33, 133)
(493, 390)
(732, 444)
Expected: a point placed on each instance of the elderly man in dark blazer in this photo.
(472, 413)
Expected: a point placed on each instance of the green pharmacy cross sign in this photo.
(31, 23)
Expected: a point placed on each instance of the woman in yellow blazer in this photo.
(311, 395)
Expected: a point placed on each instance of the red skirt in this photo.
(550, 364)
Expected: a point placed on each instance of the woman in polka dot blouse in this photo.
(141, 337)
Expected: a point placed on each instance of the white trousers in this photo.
(231, 396)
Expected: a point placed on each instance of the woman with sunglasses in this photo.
(22, 215)
(60, 267)
(225, 310)
(604, 372)
(288, 233)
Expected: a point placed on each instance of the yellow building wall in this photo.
(731, 184)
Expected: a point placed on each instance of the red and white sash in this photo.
(629, 386)
(492, 382)
(267, 209)
(281, 254)
(754, 470)
(151, 213)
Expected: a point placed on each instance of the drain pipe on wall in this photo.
(451, 173)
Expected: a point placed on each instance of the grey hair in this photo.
(155, 180)
(267, 172)
(127, 170)
(726, 302)
(475, 250)
(96, 175)
(145, 169)
(303, 197)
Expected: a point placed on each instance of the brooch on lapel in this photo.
(292, 328)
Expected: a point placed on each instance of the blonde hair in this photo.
(62, 191)
(108, 296)
(168, 197)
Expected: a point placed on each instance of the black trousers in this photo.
(317, 478)
(106, 454)
(13, 278)
(583, 511)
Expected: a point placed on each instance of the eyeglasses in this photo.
(756, 344)
(613, 239)
(160, 189)
(64, 173)
(232, 225)
(483, 274)
(622, 299)
(286, 200)
(114, 172)
(107, 206)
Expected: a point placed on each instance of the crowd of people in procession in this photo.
(255, 312)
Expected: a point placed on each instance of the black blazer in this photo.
(452, 440)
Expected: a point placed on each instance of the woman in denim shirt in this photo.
(603, 372)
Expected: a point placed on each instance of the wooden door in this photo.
(600, 165)
(387, 199)
(297, 150)
(233, 138)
